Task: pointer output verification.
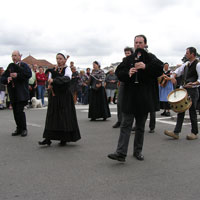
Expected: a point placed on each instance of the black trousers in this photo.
(119, 102)
(194, 94)
(125, 131)
(152, 122)
(19, 115)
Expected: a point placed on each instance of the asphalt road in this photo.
(82, 171)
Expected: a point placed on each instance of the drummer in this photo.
(191, 79)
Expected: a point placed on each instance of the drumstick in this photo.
(175, 91)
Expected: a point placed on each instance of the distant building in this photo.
(112, 66)
(40, 62)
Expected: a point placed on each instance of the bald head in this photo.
(16, 56)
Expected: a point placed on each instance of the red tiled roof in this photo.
(41, 62)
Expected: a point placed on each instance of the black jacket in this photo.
(143, 97)
(18, 87)
(2, 86)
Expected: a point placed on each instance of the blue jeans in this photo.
(41, 90)
(79, 95)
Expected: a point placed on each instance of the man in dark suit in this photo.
(139, 73)
(16, 77)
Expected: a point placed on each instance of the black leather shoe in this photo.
(116, 156)
(167, 114)
(62, 143)
(133, 129)
(24, 133)
(117, 125)
(16, 132)
(138, 156)
(45, 142)
(163, 113)
(151, 131)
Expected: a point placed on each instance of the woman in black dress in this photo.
(61, 121)
(98, 104)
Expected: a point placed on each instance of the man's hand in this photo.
(174, 81)
(98, 85)
(9, 79)
(50, 81)
(189, 85)
(13, 75)
(132, 71)
(140, 65)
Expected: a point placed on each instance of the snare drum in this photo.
(179, 100)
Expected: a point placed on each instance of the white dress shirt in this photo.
(180, 70)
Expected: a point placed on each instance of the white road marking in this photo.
(79, 107)
(164, 120)
(84, 111)
(85, 108)
(112, 113)
(34, 125)
(29, 124)
(43, 108)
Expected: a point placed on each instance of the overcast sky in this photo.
(97, 30)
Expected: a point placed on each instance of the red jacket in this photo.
(41, 78)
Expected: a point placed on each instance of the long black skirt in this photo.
(164, 105)
(61, 121)
(98, 104)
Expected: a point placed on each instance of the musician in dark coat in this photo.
(61, 121)
(98, 104)
(16, 78)
(139, 73)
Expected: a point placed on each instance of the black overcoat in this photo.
(18, 88)
(143, 97)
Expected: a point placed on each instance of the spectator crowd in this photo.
(79, 86)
